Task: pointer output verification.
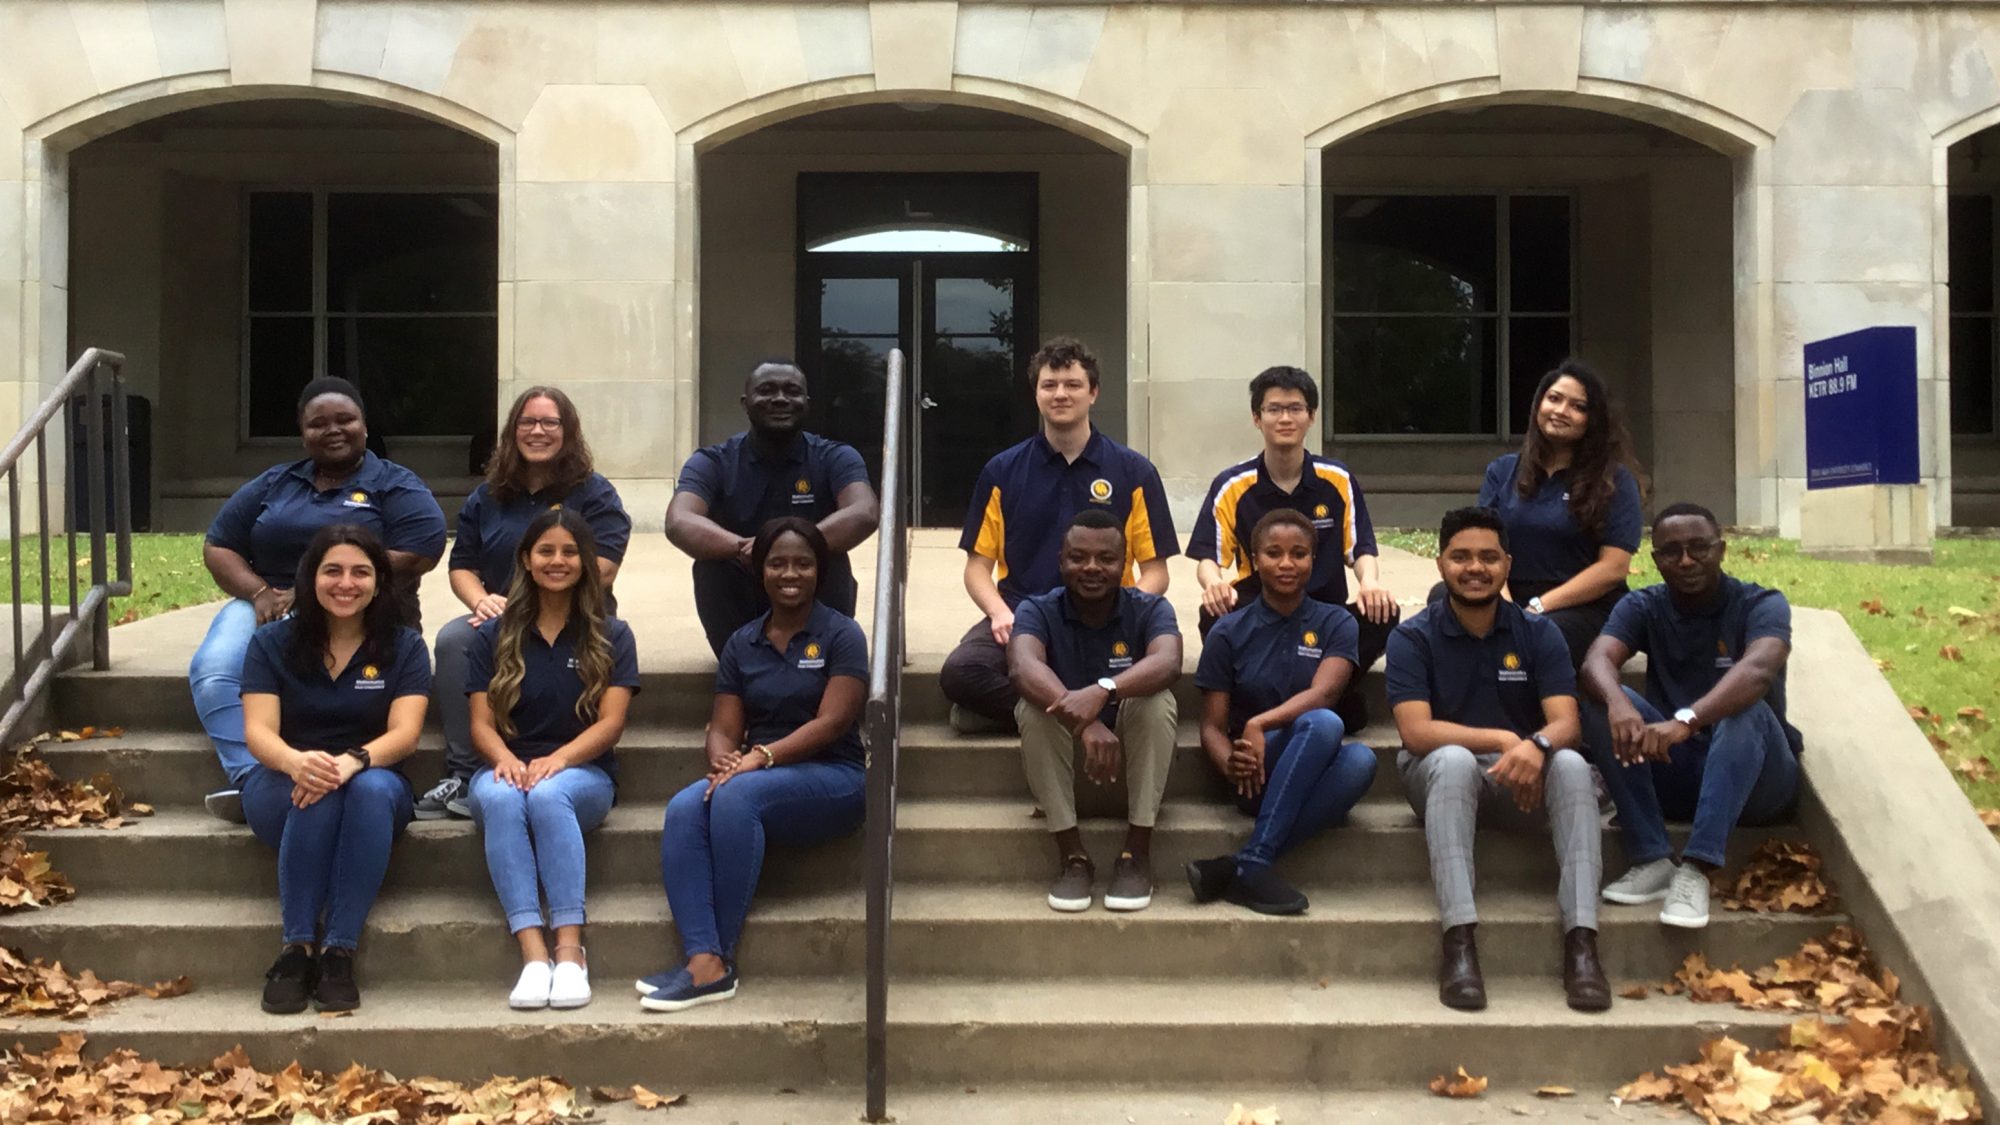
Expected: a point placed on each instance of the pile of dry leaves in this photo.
(61, 1085)
(1781, 876)
(26, 879)
(36, 988)
(32, 796)
(1878, 1065)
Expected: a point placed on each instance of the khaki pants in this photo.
(1146, 728)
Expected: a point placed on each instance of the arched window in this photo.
(918, 240)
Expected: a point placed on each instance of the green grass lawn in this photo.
(1934, 631)
(166, 573)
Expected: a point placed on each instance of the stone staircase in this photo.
(990, 988)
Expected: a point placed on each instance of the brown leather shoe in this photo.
(1460, 984)
(1583, 976)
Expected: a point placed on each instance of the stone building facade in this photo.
(1423, 204)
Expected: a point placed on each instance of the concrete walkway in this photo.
(655, 594)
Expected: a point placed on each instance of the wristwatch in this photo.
(1110, 687)
(1686, 715)
(360, 752)
(1542, 742)
(1535, 605)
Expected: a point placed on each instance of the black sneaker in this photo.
(1261, 889)
(1210, 878)
(336, 991)
(289, 983)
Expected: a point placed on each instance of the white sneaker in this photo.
(1644, 883)
(532, 990)
(570, 987)
(1687, 899)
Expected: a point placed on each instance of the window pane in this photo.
(1534, 346)
(1971, 375)
(861, 306)
(1413, 253)
(423, 376)
(849, 389)
(974, 305)
(406, 253)
(1538, 253)
(1413, 375)
(281, 364)
(281, 256)
(1971, 238)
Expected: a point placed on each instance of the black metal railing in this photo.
(882, 727)
(95, 386)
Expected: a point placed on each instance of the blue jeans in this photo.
(534, 841)
(1312, 779)
(333, 853)
(712, 851)
(1740, 771)
(215, 676)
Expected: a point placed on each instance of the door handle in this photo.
(927, 402)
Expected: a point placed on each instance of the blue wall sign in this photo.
(1861, 408)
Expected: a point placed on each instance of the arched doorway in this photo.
(237, 250)
(962, 235)
(1468, 249)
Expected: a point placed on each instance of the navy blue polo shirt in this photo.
(1080, 655)
(1327, 494)
(545, 718)
(1495, 682)
(1687, 651)
(271, 519)
(1262, 658)
(1548, 545)
(781, 691)
(744, 489)
(334, 713)
(490, 529)
(1027, 494)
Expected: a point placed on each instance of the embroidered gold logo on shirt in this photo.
(1321, 511)
(1721, 648)
(1100, 490)
(802, 486)
(1311, 638)
(1510, 662)
(1118, 648)
(358, 497)
(370, 672)
(812, 650)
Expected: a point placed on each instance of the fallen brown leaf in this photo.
(1635, 992)
(1463, 1085)
(1874, 607)
(1240, 1114)
(1990, 818)
(1554, 1092)
(646, 1099)
(1781, 876)
(32, 987)
(1951, 652)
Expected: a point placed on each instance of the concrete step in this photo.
(803, 1034)
(945, 839)
(940, 930)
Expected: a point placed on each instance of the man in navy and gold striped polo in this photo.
(1284, 401)
(1025, 497)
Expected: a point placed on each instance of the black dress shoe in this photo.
(1583, 976)
(1460, 984)
(1210, 878)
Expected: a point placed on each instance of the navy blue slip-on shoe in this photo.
(664, 980)
(686, 994)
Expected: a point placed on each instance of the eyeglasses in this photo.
(530, 425)
(1285, 410)
(1696, 549)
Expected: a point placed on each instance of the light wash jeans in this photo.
(534, 841)
(215, 676)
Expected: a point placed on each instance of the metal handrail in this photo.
(95, 378)
(882, 731)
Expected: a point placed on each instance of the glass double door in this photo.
(966, 324)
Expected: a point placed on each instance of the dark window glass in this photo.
(281, 364)
(860, 306)
(1413, 375)
(850, 387)
(1971, 237)
(975, 306)
(419, 375)
(281, 251)
(411, 253)
(1538, 253)
(1535, 344)
(1413, 253)
(1971, 375)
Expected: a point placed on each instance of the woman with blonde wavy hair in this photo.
(550, 681)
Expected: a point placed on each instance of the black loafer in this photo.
(1263, 890)
(1210, 878)
(289, 983)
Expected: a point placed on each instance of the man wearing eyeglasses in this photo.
(1708, 740)
(1283, 404)
(728, 491)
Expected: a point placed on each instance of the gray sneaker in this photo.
(446, 798)
(1131, 884)
(1644, 883)
(1070, 893)
(225, 804)
(1687, 899)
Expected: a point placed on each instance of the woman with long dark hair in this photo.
(540, 464)
(1571, 502)
(784, 757)
(255, 544)
(333, 700)
(551, 679)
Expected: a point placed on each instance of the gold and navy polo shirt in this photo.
(1327, 494)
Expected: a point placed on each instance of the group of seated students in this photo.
(313, 681)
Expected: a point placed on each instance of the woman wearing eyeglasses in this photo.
(540, 463)
(1570, 500)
